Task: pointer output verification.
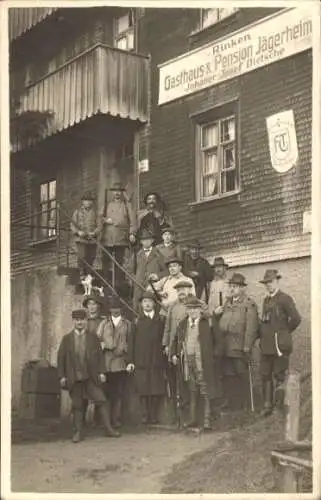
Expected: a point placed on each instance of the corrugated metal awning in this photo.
(101, 80)
(22, 19)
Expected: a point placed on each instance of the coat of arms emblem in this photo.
(282, 141)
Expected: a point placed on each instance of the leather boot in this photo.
(78, 425)
(207, 414)
(105, 417)
(267, 398)
(192, 410)
(116, 412)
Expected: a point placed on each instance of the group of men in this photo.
(192, 338)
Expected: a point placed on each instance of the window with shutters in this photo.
(124, 31)
(44, 218)
(216, 166)
(213, 16)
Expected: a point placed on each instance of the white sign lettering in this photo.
(282, 141)
(267, 41)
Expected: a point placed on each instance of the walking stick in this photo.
(251, 386)
(178, 395)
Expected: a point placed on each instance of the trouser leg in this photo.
(84, 410)
(192, 422)
(267, 384)
(119, 253)
(81, 249)
(207, 414)
(77, 400)
(104, 412)
(144, 401)
(154, 409)
(105, 262)
(280, 368)
(90, 255)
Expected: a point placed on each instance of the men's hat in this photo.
(146, 235)
(93, 296)
(270, 275)
(171, 260)
(193, 302)
(79, 314)
(117, 186)
(183, 284)
(150, 194)
(195, 244)
(148, 295)
(219, 261)
(115, 303)
(88, 195)
(237, 279)
(167, 228)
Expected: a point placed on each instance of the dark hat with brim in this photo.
(173, 260)
(148, 295)
(97, 298)
(238, 279)
(117, 186)
(193, 302)
(195, 244)
(79, 314)
(270, 275)
(115, 303)
(182, 284)
(146, 235)
(219, 261)
(151, 193)
(88, 195)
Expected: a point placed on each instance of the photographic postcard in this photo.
(160, 221)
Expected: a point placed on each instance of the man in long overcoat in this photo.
(239, 325)
(146, 358)
(81, 371)
(279, 319)
(148, 265)
(199, 269)
(193, 351)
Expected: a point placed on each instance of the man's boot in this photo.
(116, 412)
(207, 415)
(105, 417)
(267, 398)
(192, 410)
(78, 425)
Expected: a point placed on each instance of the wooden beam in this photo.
(288, 460)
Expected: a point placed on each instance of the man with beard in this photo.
(199, 269)
(118, 230)
(152, 220)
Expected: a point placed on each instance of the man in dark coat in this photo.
(199, 269)
(193, 352)
(152, 220)
(81, 371)
(146, 358)
(279, 319)
(239, 325)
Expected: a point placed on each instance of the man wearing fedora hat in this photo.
(199, 269)
(192, 350)
(81, 371)
(239, 326)
(169, 248)
(118, 231)
(147, 265)
(219, 287)
(166, 285)
(114, 332)
(85, 228)
(279, 319)
(152, 219)
(146, 359)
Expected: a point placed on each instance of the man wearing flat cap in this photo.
(85, 228)
(114, 332)
(169, 248)
(279, 319)
(239, 326)
(165, 287)
(193, 352)
(118, 230)
(81, 371)
(199, 269)
(153, 218)
(146, 360)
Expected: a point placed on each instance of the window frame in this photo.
(122, 34)
(219, 19)
(201, 120)
(40, 231)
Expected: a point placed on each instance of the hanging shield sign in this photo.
(282, 141)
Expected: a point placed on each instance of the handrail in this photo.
(101, 247)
